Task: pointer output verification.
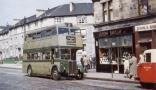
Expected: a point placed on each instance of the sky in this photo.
(17, 9)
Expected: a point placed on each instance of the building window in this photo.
(110, 10)
(36, 23)
(143, 7)
(28, 26)
(59, 19)
(107, 11)
(81, 19)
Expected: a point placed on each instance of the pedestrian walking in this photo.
(126, 66)
(141, 59)
(82, 62)
(90, 62)
(94, 62)
(133, 67)
(86, 62)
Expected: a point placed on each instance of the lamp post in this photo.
(112, 44)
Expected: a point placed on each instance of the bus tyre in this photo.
(145, 85)
(29, 71)
(154, 85)
(55, 74)
(80, 76)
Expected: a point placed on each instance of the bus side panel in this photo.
(147, 72)
(43, 68)
(24, 67)
(38, 67)
(32, 64)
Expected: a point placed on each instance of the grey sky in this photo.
(16, 9)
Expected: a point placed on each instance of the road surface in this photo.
(13, 79)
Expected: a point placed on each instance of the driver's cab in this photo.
(150, 55)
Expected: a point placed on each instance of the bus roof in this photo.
(150, 51)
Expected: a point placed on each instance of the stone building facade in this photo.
(119, 32)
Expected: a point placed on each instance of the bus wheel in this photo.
(154, 85)
(145, 85)
(80, 76)
(55, 74)
(29, 71)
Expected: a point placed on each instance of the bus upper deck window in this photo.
(148, 57)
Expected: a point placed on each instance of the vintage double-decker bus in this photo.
(51, 51)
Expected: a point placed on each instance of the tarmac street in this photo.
(14, 79)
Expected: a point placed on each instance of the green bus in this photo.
(51, 51)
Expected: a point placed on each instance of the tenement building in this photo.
(77, 14)
(123, 27)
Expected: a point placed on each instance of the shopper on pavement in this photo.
(126, 66)
(86, 62)
(141, 59)
(82, 61)
(133, 67)
(94, 62)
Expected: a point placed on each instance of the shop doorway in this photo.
(118, 54)
(145, 46)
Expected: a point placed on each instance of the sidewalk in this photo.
(92, 74)
(11, 66)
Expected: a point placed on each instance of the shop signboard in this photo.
(146, 27)
(115, 41)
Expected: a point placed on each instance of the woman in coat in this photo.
(133, 66)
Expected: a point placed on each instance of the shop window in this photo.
(104, 56)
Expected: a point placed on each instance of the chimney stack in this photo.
(71, 6)
(39, 12)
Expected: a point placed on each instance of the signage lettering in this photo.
(103, 34)
(71, 40)
(146, 27)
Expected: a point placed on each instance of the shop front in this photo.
(145, 38)
(111, 46)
